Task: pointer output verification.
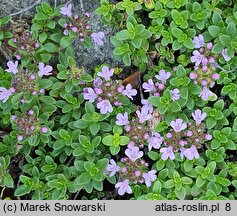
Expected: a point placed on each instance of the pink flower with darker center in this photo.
(133, 153)
(198, 116)
(178, 125)
(190, 153)
(89, 94)
(123, 187)
(104, 106)
(167, 153)
(44, 70)
(5, 94)
(149, 177)
(66, 10)
(163, 76)
(106, 73)
(122, 119)
(12, 67)
(175, 94)
(129, 91)
(97, 37)
(149, 86)
(112, 168)
(198, 41)
(197, 58)
(205, 93)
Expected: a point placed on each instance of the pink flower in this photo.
(190, 153)
(175, 94)
(167, 153)
(198, 116)
(12, 67)
(133, 153)
(163, 76)
(44, 70)
(148, 106)
(97, 82)
(112, 168)
(149, 177)
(143, 115)
(198, 41)
(106, 73)
(89, 94)
(97, 37)
(123, 187)
(178, 125)
(5, 94)
(155, 141)
(205, 93)
(197, 58)
(122, 119)
(149, 86)
(105, 107)
(129, 91)
(66, 10)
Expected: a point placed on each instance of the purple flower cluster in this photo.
(186, 138)
(25, 44)
(205, 64)
(80, 26)
(28, 125)
(156, 88)
(131, 170)
(24, 81)
(106, 93)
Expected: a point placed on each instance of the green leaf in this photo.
(108, 140)
(41, 16)
(50, 47)
(102, 163)
(114, 150)
(127, 59)
(219, 104)
(225, 40)
(154, 100)
(215, 144)
(180, 193)
(86, 78)
(94, 128)
(8, 181)
(188, 166)
(210, 123)
(186, 180)
(153, 155)
(189, 43)
(83, 179)
(124, 140)
(42, 37)
(136, 42)
(22, 190)
(123, 35)
(46, 8)
(217, 48)
(200, 182)
(174, 107)
(214, 30)
(32, 140)
(66, 41)
(169, 184)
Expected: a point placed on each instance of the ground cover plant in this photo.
(166, 131)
